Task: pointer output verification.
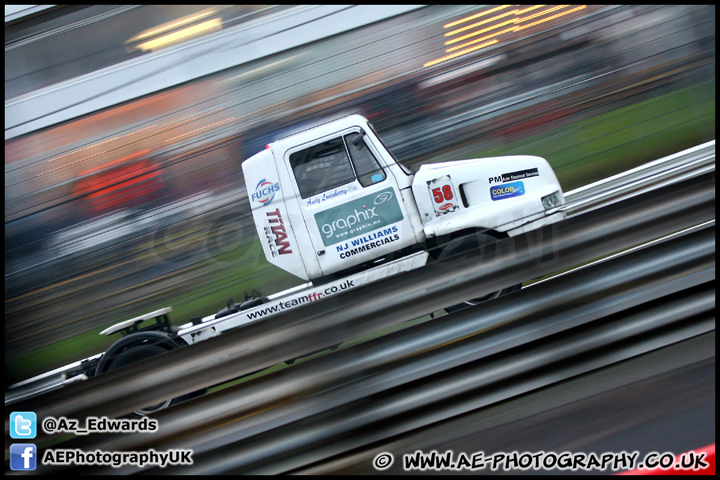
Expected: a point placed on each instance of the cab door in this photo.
(350, 203)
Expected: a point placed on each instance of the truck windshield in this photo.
(366, 166)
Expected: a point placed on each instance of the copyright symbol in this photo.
(383, 461)
(49, 425)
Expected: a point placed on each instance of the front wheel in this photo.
(473, 247)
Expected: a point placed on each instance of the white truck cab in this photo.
(332, 197)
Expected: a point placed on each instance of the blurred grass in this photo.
(580, 153)
(616, 141)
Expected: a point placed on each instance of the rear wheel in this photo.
(137, 348)
(475, 247)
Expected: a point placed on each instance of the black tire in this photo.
(475, 247)
(136, 348)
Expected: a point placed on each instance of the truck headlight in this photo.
(551, 201)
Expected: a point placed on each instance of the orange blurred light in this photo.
(516, 22)
(511, 29)
(171, 25)
(183, 35)
(550, 18)
(448, 57)
(483, 23)
(477, 15)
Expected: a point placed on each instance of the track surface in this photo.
(663, 401)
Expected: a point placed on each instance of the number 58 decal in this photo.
(443, 195)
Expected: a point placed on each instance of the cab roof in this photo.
(318, 131)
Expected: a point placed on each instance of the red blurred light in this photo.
(127, 182)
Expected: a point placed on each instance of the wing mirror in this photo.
(358, 140)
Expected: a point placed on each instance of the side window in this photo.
(366, 166)
(321, 167)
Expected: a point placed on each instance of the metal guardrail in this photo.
(349, 315)
(679, 166)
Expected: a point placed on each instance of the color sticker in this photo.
(508, 190)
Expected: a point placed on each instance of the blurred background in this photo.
(126, 126)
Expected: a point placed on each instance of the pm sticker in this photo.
(508, 190)
(508, 177)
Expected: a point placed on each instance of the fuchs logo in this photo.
(265, 191)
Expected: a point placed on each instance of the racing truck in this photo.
(333, 207)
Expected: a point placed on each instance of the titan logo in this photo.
(278, 230)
